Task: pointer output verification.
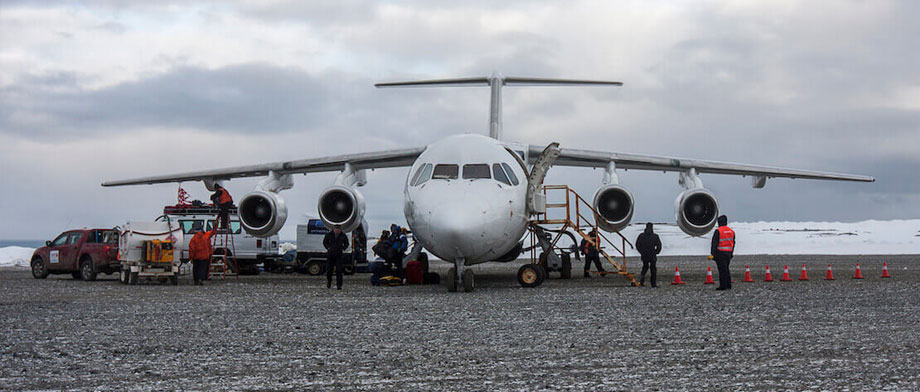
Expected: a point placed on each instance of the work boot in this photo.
(338, 287)
(587, 274)
(328, 285)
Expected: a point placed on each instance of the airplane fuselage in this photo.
(465, 199)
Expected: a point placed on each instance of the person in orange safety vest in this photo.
(223, 201)
(199, 251)
(722, 249)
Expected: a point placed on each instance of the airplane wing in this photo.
(369, 160)
(588, 158)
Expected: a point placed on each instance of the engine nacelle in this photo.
(614, 205)
(341, 206)
(696, 211)
(262, 213)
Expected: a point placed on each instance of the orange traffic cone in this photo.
(747, 275)
(830, 273)
(768, 277)
(804, 275)
(858, 274)
(786, 277)
(885, 270)
(709, 276)
(677, 277)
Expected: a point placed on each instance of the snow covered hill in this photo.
(15, 256)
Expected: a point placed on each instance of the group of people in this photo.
(391, 247)
(649, 246)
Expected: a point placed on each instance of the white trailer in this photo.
(150, 250)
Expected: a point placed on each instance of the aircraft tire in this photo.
(452, 280)
(530, 275)
(469, 283)
(566, 272)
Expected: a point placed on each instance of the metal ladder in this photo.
(221, 263)
(575, 209)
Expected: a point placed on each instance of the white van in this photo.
(248, 250)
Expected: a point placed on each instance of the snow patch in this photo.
(15, 256)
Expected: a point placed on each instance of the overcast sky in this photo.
(120, 89)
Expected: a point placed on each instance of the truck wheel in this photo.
(348, 269)
(123, 277)
(87, 269)
(132, 278)
(315, 267)
(39, 271)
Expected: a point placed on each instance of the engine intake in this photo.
(614, 205)
(262, 213)
(696, 211)
(341, 207)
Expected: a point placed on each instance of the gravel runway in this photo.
(288, 332)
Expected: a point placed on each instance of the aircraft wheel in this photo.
(452, 280)
(530, 275)
(468, 283)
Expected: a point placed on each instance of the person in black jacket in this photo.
(649, 246)
(591, 253)
(336, 242)
(722, 250)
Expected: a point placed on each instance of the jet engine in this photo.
(614, 206)
(341, 206)
(696, 210)
(262, 213)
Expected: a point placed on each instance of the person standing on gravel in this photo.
(591, 252)
(722, 249)
(199, 251)
(336, 242)
(649, 246)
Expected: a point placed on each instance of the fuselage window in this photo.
(499, 174)
(445, 172)
(511, 176)
(476, 171)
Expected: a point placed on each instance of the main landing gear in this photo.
(531, 275)
(458, 277)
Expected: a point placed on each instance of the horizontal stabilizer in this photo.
(438, 83)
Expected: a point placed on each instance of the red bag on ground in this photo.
(415, 274)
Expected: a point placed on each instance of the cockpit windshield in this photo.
(445, 172)
(476, 171)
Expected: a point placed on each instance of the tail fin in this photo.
(496, 81)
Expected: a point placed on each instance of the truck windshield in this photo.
(234, 226)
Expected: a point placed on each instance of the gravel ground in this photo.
(282, 332)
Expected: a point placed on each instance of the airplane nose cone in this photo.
(455, 230)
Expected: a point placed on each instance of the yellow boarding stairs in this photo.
(224, 256)
(575, 208)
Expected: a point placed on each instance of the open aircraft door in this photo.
(536, 200)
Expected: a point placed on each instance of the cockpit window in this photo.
(418, 173)
(476, 170)
(426, 174)
(499, 174)
(511, 176)
(445, 172)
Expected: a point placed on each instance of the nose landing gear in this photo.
(465, 278)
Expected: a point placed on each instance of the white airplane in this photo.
(468, 198)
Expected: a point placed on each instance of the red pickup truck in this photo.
(82, 253)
